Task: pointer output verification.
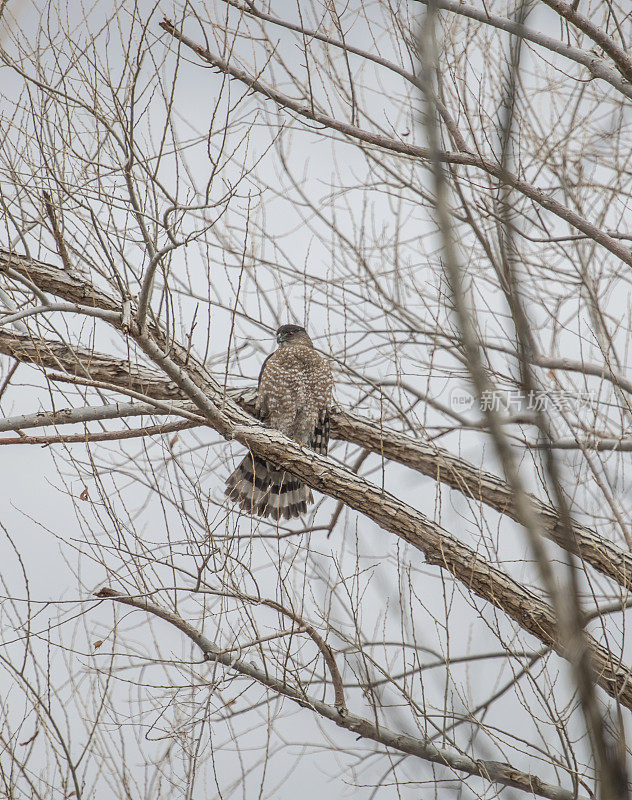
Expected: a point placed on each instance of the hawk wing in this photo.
(261, 411)
(263, 366)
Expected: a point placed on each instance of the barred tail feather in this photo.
(265, 491)
(320, 437)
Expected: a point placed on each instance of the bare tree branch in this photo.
(395, 146)
(493, 771)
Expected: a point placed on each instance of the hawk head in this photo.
(292, 333)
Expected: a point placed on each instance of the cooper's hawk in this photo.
(294, 396)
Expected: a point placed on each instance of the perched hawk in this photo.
(294, 396)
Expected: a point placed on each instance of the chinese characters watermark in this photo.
(514, 400)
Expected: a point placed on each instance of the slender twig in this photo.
(59, 239)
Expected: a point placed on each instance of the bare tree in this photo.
(439, 192)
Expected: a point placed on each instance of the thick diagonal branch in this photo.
(428, 459)
(600, 37)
